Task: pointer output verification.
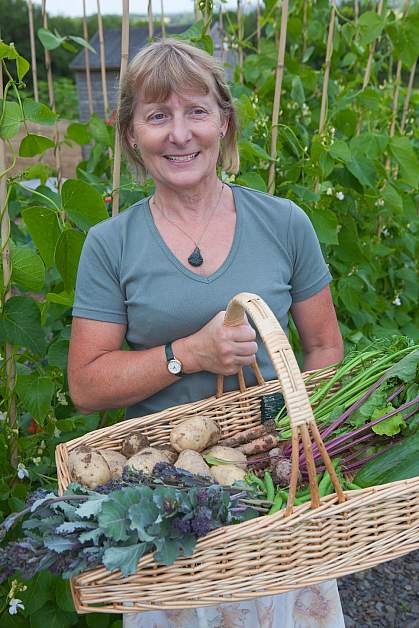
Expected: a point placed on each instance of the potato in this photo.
(133, 443)
(115, 461)
(196, 433)
(227, 454)
(192, 461)
(146, 459)
(87, 467)
(227, 474)
(171, 453)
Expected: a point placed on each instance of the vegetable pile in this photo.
(146, 498)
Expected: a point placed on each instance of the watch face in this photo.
(174, 367)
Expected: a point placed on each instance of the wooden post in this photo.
(116, 180)
(102, 61)
(277, 96)
(33, 52)
(7, 274)
(150, 19)
(51, 96)
(163, 25)
(407, 97)
(240, 36)
(87, 62)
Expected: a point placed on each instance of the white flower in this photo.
(22, 471)
(379, 202)
(14, 605)
(3, 416)
(340, 196)
(329, 191)
(62, 398)
(57, 432)
(385, 231)
(36, 460)
(397, 301)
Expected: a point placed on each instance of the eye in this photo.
(157, 116)
(198, 111)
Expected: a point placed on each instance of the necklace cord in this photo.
(180, 228)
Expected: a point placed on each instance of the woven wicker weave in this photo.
(301, 546)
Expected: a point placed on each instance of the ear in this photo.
(130, 137)
(224, 125)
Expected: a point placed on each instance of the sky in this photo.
(75, 7)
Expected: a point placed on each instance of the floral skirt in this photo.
(317, 606)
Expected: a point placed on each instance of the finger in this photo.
(242, 333)
(245, 348)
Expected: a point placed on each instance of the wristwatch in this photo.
(174, 366)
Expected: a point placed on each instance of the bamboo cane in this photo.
(258, 25)
(51, 97)
(7, 274)
(102, 61)
(305, 26)
(407, 97)
(87, 62)
(356, 10)
(116, 180)
(367, 73)
(329, 52)
(277, 96)
(33, 52)
(240, 38)
(221, 32)
(196, 11)
(163, 25)
(395, 104)
(328, 61)
(150, 19)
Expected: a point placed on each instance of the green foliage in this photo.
(358, 185)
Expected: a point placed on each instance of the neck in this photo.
(188, 204)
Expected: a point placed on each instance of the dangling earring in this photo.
(221, 134)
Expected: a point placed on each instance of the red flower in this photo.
(111, 120)
(34, 427)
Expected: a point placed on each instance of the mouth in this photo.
(182, 158)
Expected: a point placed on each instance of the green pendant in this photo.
(196, 259)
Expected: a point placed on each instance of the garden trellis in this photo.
(322, 112)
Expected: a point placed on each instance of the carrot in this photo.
(249, 435)
(259, 445)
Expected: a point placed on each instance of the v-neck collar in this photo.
(172, 257)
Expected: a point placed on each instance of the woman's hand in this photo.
(222, 349)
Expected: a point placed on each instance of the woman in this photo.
(161, 274)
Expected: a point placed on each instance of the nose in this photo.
(180, 132)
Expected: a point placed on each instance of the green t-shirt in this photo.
(128, 275)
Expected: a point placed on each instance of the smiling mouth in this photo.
(189, 157)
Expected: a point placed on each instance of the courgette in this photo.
(399, 462)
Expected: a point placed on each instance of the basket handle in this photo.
(293, 389)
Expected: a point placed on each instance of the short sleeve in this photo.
(98, 292)
(310, 273)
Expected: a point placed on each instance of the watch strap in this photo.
(171, 356)
(169, 351)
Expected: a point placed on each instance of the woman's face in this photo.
(179, 139)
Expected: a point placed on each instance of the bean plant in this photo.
(357, 180)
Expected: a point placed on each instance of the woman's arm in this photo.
(101, 375)
(321, 340)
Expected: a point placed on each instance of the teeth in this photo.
(181, 157)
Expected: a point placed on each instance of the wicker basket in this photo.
(329, 537)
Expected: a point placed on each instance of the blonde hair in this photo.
(172, 66)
